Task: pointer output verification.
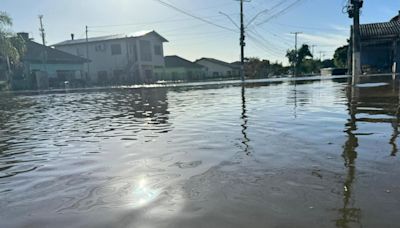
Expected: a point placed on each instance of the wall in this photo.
(101, 59)
(52, 69)
(129, 61)
(181, 74)
(213, 68)
(380, 55)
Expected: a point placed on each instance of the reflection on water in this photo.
(282, 154)
(246, 140)
(381, 104)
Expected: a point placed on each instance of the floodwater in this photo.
(281, 154)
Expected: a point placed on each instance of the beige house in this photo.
(119, 59)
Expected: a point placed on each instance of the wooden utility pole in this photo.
(242, 41)
(354, 12)
(296, 53)
(41, 29)
(312, 50)
(87, 49)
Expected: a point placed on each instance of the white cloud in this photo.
(334, 40)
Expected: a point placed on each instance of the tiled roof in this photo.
(219, 62)
(176, 61)
(386, 29)
(35, 54)
(111, 37)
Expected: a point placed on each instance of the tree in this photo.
(298, 58)
(256, 68)
(340, 56)
(12, 47)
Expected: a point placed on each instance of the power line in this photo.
(150, 22)
(280, 12)
(193, 16)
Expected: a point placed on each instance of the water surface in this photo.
(277, 154)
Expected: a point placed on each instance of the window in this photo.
(116, 49)
(100, 47)
(145, 50)
(157, 50)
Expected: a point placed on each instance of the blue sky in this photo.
(322, 22)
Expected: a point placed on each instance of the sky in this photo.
(322, 23)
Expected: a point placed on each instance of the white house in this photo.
(119, 58)
(218, 69)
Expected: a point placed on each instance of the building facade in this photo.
(44, 67)
(380, 46)
(119, 59)
(219, 69)
(180, 69)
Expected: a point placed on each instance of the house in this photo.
(380, 46)
(43, 67)
(177, 68)
(219, 69)
(119, 59)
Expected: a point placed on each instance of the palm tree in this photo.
(12, 47)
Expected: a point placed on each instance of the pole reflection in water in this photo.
(244, 117)
(395, 125)
(348, 213)
(295, 99)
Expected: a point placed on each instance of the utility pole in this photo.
(42, 33)
(354, 12)
(321, 55)
(87, 50)
(296, 57)
(242, 41)
(312, 50)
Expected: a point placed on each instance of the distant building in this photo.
(380, 46)
(44, 67)
(177, 68)
(219, 69)
(119, 58)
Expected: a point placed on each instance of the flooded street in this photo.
(270, 154)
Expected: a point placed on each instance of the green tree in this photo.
(12, 47)
(340, 56)
(299, 58)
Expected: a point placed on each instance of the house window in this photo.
(100, 48)
(145, 50)
(116, 49)
(157, 50)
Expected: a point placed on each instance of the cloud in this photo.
(334, 40)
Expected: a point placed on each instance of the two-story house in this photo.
(119, 59)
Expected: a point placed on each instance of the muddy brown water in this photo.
(282, 154)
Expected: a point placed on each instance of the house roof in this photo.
(219, 62)
(176, 61)
(35, 53)
(111, 37)
(380, 30)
